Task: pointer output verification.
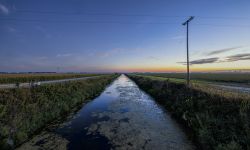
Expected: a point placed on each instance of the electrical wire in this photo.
(116, 22)
(130, 15)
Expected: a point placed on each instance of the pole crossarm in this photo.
(191, 18)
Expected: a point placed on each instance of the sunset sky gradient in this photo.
(123, 35)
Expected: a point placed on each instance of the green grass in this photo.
(24, 111)
(219, 120)
(209, 77)
(175, 80)
(20, 78)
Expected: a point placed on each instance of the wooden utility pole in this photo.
(188, 74)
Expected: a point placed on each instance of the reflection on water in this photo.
(122, 117)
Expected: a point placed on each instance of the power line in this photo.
(222, 25)
(113, 22)
(97, 14)
(224, 17)
(80, 21)
(124, 14)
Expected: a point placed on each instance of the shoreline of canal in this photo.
(80, 92)
(181, 123)
(205, 114)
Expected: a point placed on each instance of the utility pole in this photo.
(188, 74)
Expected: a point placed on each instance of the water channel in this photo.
(122, 117)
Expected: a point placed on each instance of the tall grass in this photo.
(24, 111)
(217, 121)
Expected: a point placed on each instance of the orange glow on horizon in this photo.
(173, 69)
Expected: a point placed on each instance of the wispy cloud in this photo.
(178, 37)
(244, 56)
(64, 55)
(11, 29)
(202, 61)
(153, 58)
(43, 31)
(231, 58)
(108, 53)
(205, 61)
(42, 58)
(219, 51)
(4, 10)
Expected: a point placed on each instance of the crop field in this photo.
(14, 78)
(210, 77)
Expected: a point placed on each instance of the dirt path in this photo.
(27, 85)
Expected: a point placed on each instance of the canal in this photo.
(122, 117)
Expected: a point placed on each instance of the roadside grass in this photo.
(24, 111)
(171, 79)
(201, 85)
(20, 78)
(219, 120)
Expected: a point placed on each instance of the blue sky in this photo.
(119, 35)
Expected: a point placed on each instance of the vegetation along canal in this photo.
(122, 117)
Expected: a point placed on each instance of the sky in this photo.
(123, 35)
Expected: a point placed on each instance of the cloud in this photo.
(202, 61)
(4, 9)
(237, 57)
(222, 50)
(64, 55)
(178, 37)
(102, 54)
(108, 53)
(43, 31)
(11, 29)
(42, 58)
(205, 61)
(232, 58)
(153, 58)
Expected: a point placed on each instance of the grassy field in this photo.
(25, 111)
(219, 120)
(20, 78)
(202, 86)
(210, 77)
